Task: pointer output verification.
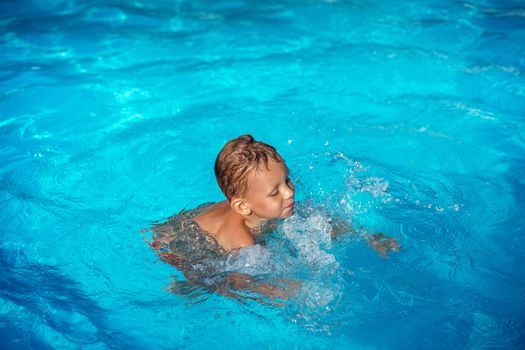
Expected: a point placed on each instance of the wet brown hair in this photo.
(237, 159)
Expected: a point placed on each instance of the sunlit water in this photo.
(400, 117)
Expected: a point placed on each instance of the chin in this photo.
(287, 214)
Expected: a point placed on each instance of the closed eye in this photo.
(275, 192)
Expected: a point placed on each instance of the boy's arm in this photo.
(340, 226)
(378, 241)
(275, 289)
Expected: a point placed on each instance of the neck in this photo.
(253, 222)
(250, 221)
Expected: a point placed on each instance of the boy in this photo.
(254, 178)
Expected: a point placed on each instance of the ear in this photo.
(239, 205)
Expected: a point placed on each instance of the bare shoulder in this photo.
(210, 219)
(220, 222)
(233, 236)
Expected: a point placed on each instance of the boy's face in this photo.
(270, 193)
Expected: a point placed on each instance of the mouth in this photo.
(290, 206)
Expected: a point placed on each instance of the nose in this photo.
(289, 191)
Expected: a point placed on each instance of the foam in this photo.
(253, 260)
(311, 235)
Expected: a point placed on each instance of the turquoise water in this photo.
(402, 117)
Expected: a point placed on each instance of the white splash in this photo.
(253, 260)
(311, 235)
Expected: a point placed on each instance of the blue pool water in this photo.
(402, 117)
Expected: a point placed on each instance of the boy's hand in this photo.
(339, 227)
(382, 243)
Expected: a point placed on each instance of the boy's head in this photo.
(238, 159)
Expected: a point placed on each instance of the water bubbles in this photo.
(311, 235)
(376, 186)
(253, 260)
(318, 295)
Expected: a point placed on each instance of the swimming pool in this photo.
(403, 117)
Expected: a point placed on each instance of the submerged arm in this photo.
(340, 226)
(378, 241)
(235, 282)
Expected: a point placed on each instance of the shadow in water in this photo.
(37, 296)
